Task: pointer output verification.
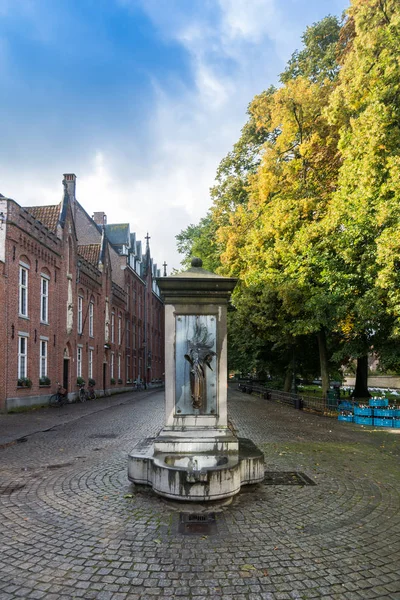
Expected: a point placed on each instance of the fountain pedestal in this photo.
(196, 456)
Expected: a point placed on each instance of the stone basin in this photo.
(196, 476)
(196, 462)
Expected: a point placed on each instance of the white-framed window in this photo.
(112, 326)
(128, 367)
(22, 356)
(79, 361)
(43, 358)
(91, 313)
(128, 333)
(119, 329)
(80, 315)
(90, 370)
(23, 291)
(44, 299)
(119, 366)
(112, 365)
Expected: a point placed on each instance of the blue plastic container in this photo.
(364, 420)
(396, 412)
(379, 402)
(378, 422)
(363, 412)
(347, 418)
(383, 412)
(396, 423)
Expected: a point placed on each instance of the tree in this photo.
(318, 60)
(363, 217)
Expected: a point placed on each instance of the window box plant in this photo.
(120, 381)
(80, 381)
(24, 382)
(91, 382)
(112, 380)
(44, 381)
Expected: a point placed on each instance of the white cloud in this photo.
(236, 48)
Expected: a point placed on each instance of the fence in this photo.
(324, 406)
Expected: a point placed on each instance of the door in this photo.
(66, 373)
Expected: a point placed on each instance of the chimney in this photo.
(100, 218)
(70, 183)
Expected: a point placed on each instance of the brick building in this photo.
(79, 299)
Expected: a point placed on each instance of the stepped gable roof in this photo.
(91, 253)
(48, 215)
(118, 234)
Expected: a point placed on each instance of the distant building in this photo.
(79, 299)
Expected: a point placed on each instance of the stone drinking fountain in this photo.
(196, 457)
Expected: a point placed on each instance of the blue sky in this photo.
(140, 98)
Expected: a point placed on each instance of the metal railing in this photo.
(325, 406)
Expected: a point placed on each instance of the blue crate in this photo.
(383, 412)
(347, 418)
(383, 422)
(379, 402)
(396, 412)
(363, 412)
(363, 420)
(396, 423)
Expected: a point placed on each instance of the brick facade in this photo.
(76, 301)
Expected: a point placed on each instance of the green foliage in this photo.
(318, 59)
(306, 207)
(80, 381)
(24, 382)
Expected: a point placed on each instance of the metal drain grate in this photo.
(197, 523)
(287, 478)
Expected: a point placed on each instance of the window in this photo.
(79, 362)
(80, 314)
(128, 367)
(22, 356)
(23, 291)
(119, 329)
(44, 299)
(128, 333)
(112, 366)
(134, 336)
(112, 326)
(91, 312)
(90, 372)
(43, 359)
(119, 366)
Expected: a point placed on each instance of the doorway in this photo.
(65, 373)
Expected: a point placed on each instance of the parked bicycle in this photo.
(84, 394)
(91, 394)
(60, 397)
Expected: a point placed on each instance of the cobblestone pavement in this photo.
(72, 526)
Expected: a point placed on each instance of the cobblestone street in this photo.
(72, 526)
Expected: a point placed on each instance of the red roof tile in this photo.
(48, 215)
(90, 252)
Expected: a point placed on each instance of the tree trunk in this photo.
(361, 387)
(323, 360)
(287, 386)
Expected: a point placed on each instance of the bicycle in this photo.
(82, 394)
(60, 397)
(91, 394)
